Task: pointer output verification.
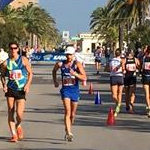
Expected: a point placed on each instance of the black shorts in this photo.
(17, 95)
(145, 80)
(116, 80)
(98, 60)
(129, 80)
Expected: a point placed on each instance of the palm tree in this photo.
(100, 25)
(11, 28)
(128, 12)
(132, 10)
(37, 21)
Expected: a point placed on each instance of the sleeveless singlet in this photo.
(146, 66)
(130, 67)
(115, 67)
(69, 80)
(17, 74)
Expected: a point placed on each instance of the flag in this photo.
(4, 3)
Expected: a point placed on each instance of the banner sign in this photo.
(4, 3)
(48, 57)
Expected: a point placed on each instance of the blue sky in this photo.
(72, 15)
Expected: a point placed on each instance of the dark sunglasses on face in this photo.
(13, 48)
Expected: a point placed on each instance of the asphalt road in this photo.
(43, 120)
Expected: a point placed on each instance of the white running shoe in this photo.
(69, 137)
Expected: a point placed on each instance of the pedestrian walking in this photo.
(116, 80)
(98, 57)
(131, 65)
(19, 73)
(71, 71)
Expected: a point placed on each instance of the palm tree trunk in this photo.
(121, 37)
(32, 37)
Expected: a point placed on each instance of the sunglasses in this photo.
(13, 48)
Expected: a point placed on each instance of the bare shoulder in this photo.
(59, 63)
(123, 60)
(79, 64)
(24, 60)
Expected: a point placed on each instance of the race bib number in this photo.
(15, 74)
(67, 81)
(147, 65)
(131, 67)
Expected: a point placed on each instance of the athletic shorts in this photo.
(72, 94)
(98, 60)
(116, 80)
(129, 80)
(145, 79)
(17, 95)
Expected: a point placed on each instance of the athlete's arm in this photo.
(81, 75)
(30, 74)
(137, 63)
(123, 62)
(54, 72)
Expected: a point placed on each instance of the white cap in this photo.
(70, 50)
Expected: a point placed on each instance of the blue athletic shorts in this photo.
(71, 93)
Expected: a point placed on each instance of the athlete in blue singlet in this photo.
(71, 71)
(18, 71)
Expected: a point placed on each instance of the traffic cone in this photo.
(98, 98)
(91, 89)
(111, 118)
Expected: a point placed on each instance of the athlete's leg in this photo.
(147, 95)
(120, 89)
(132, 93)
(127, 96)
(11, 111)
(20, 106)
(74, 106)
(114, 91)
(67, 115)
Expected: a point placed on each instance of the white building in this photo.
(89, 41)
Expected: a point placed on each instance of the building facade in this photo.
(89, 42)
